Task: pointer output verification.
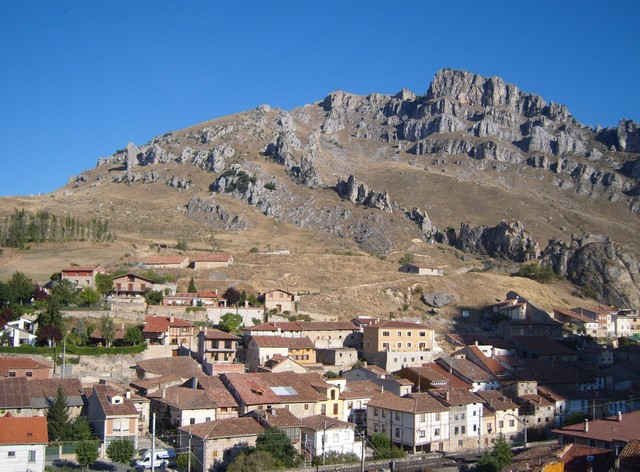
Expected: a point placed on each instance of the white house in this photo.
(22, 443)
(322, 435)
(21, 331)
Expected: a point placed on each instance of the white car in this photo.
(162, 459)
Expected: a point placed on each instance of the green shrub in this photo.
(270, 185)
(540, 273)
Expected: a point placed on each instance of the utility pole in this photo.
(64, 352)
(324, 435)
(363, 437)
(153, 443)
(189, 454)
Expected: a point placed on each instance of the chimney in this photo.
(171, 318)
(164, 392)
(246, 303)
(619, 416)
(195, 383)
(446, 395)
(586, 425)
(127, 394)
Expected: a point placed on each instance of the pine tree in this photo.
(58, 417)
(192, 286)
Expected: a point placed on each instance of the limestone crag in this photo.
(359, 193)
(215, 215)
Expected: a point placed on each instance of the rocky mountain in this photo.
(363, 168)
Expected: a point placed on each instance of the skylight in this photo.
(284, 391)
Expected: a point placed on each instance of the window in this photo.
(207, 419)
(335, 408)
(423, 334)
(29, 374)
(456, 430)
(375, 412)
(512, 423)
(460, 442)
(463, 429)
(385, 346)
(400, 333)
(385, 333)
(475, 428)
(12, 374)
(306, 406)
(384, 413)
(397, 432)
(397, 415)
(461, 416)
(32, 455)
(422, 433)
(408, 344)
(436, 432)
(474, 412)
(437, 417)
(422, 346)
(399, 345)
(375, 428)
(350, 405)
(11, 454)
(501, 424)
(408, 333)
(192, 421)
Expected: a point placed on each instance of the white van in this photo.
(162, 459)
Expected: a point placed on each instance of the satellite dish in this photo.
(590, 458)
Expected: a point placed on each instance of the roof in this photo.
(435, 373)
(104, 395)
(42, 390)
(159, 260)
(468, 369)
(456, 397)
(607, 430)
(576, 315)
(186, 398)
(277, 360)
(183, 365)
(630, 455)
(281, 418)
(537, 400)
(413, 403)
(496, 400)
(131, 274)
(23, 430)
(219, 334)
(322, 422)
(304, 326)
(555, 372)
(542, 346)
(578, 457)
(360, 389)
(14, 393)
(212, 257)
(397, 324)
(283, 342)
(80, 268)
(161, 324)
(18, 362)
(277, 387)
(217, 391)
(243, 426)
(487, 363)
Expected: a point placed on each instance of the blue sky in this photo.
(81, 79)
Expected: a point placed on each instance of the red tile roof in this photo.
(14, 393)
(18, 362)
(608, 429)
(23, 430)
(161, 260)
(496, 401)
(186, 398)
(456, 396)
(542, 346)
(304, 326)
(360, 389)
(217, 391)
(219, 334)
(232, 427)
(161, 324)
(80, 269)
(277, 388)
(414, 403)
(283, 342)
(487, 363)
(212, 257)
(398, 324)
(435, 374)
(183, 366)
(322, 422)
(104, 394)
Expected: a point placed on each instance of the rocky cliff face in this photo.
(465, 114)
(359, 193)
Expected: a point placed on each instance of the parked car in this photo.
(163, 458)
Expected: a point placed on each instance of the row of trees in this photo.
(23, 227)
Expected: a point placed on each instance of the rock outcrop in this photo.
(359, 193)
(438, 299)
(215, 215)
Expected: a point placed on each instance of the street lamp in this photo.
(523, 422)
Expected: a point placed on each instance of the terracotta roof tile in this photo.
(360, 389)
(321, 422)
(496, 400)
(608, 429)
(23, 430)
(161, 260)
(19, 362)
(161, 324)
(212, 257)
(232, 427)
(304, 326)
(186, 398)
(104, 394)
(14, 393)
(183, 366)
(283, 342)
(217, 391)
(275, 388)
(219, 334)
(414, 403)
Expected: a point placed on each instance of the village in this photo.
(201, 380)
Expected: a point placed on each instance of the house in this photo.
(213, 441)
(226, 404)
(523, 318)
(165, 262)
(629, 458)
(262, 348)
(182, 405)
(19, 332)
(500, 418)
(487, 363)
(82, 276)
(23, 441)
(627, 323)
(132, 285)
(365, 372)
(417, 421)
(216, 346)
(202, 298)
(393, 345)
(285, 421)
(470, 373)
(596, 322)
(32, 397)
(171, 331)
(279, 363)
(538, 347)
(323, 334)
(356, 396)
(18, 366)
(113, 415)
(423, 270)
(213, 260)
(177, 367)
(322, 435)
(303, 394)
(433, 376)
(612, 433)
(465, 418)
(341, 358)
(280, 300)
(119, 334)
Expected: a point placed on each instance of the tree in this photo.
(121, 451)
(65, 292)
(107, 330)
(58, 417)
(182, 462)
(276, 443)
(230, 322)
(497, 459)
(133, 335)
(407, 258)
(104, 283)
(181, 245)
(80, 429)
(20, 288)
(250, 461)
(51, 315)
(232, 296)
(540, 273)
(86, 453)
(384, 449)
(153, 297)
(192, 286)
(89, 296)
(81, 332)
